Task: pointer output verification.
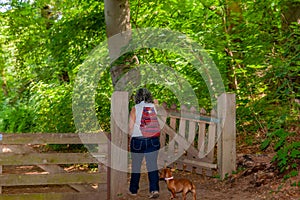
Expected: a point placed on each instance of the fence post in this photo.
(227, 134)
(119, 144)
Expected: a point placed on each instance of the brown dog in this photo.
(178, 185)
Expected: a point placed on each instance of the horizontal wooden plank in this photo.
(198, 163)
(56, 196)
(51, 158)
(194, 117)
(204, 162)
(54, 138)
(52, 179)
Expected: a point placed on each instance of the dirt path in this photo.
(210, 189)
(257, 181)
(214, 189)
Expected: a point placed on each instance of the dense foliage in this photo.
(255, 45)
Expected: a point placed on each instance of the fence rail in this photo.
(51, 196)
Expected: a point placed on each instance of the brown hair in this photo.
(143, 95)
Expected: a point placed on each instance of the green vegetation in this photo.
(255, 45)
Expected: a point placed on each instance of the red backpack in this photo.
(149, 123)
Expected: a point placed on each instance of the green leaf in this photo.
(265, 144)
(279, 144)
(295, 153)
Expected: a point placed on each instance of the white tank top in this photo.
(138, 113)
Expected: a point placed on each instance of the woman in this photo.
(144, 146)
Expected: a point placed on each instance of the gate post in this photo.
(227, 134)
(119, 144)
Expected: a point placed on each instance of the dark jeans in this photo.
(149, 148)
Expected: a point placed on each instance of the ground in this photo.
(256, 178)
(255, 182)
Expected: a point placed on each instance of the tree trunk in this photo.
(118, 30)
(291, 13)
(232, 17)
(117, 19)
(3, 77)
(4, 83)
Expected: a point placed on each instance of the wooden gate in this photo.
(197, 141)
(19, 150)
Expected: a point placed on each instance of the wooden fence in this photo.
(18, 150)
(188, 139)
